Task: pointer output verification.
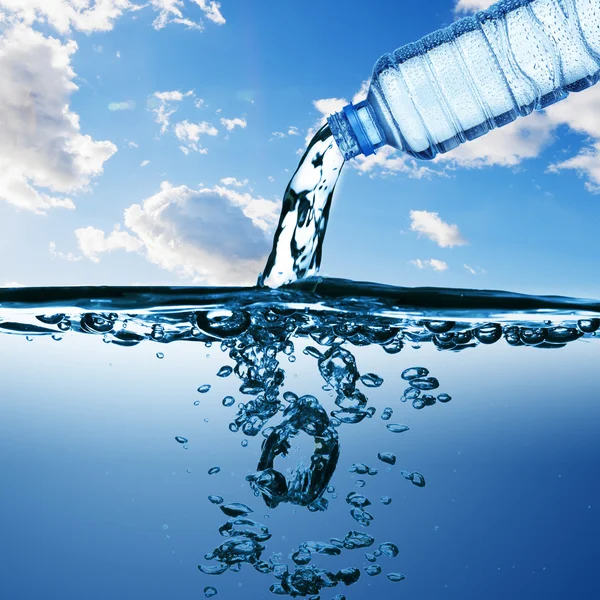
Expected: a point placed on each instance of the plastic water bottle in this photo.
(482, 72)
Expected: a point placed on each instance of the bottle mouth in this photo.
(350, 132)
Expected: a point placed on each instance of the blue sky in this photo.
(150, 143)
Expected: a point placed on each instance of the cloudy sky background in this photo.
(150, 143)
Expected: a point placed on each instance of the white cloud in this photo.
(211, 10)
(468, 6)
(132, 144)
(271, 178)
(92, 242)
(215, 236)
(586, 163)
(431, 263)
(12, 284)
(170, 11)
(293, 130)
(232, 181)
(42, 152)
(277, 135)
(474, 270)
(507, 146)
(144, 163)
(162, 106)
(430, 225)
(64, 15)
(199, 103)
(118, 54)
(230, 124)
(56, 254)
(388, 161)
(190, 133)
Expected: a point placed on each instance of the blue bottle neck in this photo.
(355, 130)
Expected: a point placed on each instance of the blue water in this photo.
(100, 500)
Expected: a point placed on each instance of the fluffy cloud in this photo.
(190, 133)
(43, 155)
(92, 242)
(64, 15)
(211, 10)
(231, 124)
(469, 6)
(586, 163)
(507, 146)
(172, 11)
(431, 263)
(162, 106)
(215, 236)
(430, 225)
(232, 181)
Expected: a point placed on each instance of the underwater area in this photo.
(328, 439)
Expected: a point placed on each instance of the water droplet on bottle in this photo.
(216, 499)
(360, 483)
(396, 576)
(181, 439)
(204, 388)
(386, 500)
(444, 398)
(160, 355)
(210, 591)
(244, 443)
(196, 402)
(214, 470)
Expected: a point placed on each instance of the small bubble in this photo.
(196, 402)
(396, 428)
(216, 499)
(29, 338)
(208, 344)
(386, 500)
(224, 371)
(396, 576)
(204, 388)
(188, 470)
(214, 470)
(292, 358)
(360, 483)
(181, 439)
(210, 591)
(160, 355)
(185, 446)
(373, 570)
(228, 401)
(436, 528)
(244, 443)
(165, 526)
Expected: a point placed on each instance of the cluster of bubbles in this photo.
(419, 381)
(257, 337)
(245, 544)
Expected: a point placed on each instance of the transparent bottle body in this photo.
(482, 72)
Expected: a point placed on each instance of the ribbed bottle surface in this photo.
(483, 72)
